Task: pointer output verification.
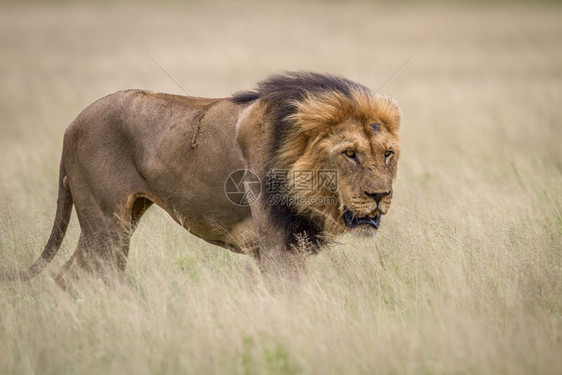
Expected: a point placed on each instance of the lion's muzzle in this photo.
(352, 220)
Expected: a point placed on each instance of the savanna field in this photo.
(465, 274)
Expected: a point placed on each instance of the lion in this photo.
(318, 155)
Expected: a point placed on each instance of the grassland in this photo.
(465, 275)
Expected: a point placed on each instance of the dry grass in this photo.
(465, 275)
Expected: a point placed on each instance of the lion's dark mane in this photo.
(280, 93)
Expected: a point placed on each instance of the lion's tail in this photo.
(62, 218)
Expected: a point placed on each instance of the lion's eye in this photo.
(350, 154)
(387, 155)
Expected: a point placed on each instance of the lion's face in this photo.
(358, 138)
(365, 157)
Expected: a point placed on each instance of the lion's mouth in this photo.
(352, 220)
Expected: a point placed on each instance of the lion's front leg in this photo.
(275, 257)
(282, 262)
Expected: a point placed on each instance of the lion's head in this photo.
(336, 145)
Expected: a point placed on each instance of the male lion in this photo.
(321, 154)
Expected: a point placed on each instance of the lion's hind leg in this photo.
(105, 237)
(102, 249)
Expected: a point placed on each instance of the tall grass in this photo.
(465, 275)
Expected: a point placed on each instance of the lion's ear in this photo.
(390, 112)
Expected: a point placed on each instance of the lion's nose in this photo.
(378, 196)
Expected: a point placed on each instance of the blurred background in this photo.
(471, 249)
